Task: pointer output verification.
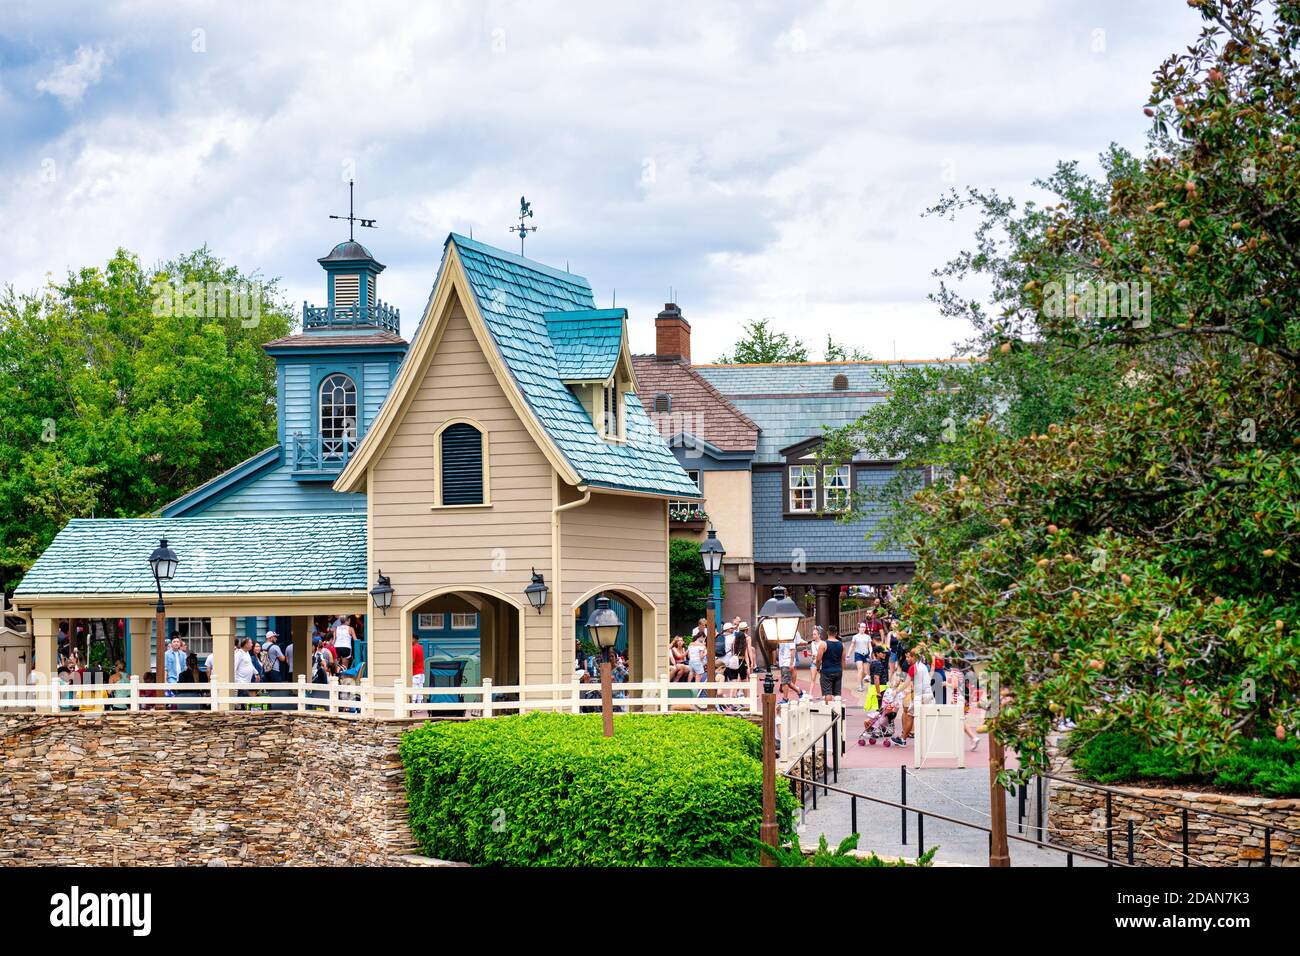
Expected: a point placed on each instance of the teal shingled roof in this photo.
(587, 342)
(217, 555)
(514, 295)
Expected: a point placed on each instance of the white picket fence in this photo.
(367, 700)
(798, 722)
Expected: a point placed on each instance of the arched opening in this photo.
(636, 639)
(466, 635)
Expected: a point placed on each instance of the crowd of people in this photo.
(258, 663)
(891, 670)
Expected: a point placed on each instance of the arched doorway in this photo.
(467, 635)
(636, 638)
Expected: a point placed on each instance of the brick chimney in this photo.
(672, 334)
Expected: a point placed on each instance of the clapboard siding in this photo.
(421, 547)
(613, 540)
(296, 396)
(376, 379)
(278, 492)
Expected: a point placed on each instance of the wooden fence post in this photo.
(399, 699)
(663, 693)
(302, 692)
(487, 697)
(135, 692)
(574, 695)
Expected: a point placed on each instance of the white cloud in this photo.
(764, 159)
(69, 81)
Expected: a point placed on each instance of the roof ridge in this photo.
(849, 362)
(521, 261)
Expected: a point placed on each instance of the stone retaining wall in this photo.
(1077, 817)
(172, 788)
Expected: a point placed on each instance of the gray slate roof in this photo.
(790, 402)
(217, 555)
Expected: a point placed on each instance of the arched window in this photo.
(338, 417)
(840, 383)
(462, 471)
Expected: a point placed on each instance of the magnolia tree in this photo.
(1109, 503)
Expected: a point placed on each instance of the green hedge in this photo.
(1268, 766)
(550, 790)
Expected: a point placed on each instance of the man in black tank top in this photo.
(830, 664)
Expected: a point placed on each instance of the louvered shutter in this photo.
(462, 465)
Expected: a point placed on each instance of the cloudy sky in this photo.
(762, 159)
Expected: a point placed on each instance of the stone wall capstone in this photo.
(169, 788)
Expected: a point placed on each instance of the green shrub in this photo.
(1269, 767)
(550, 790)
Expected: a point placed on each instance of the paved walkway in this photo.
(962, 794)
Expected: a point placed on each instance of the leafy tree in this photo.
(1125, 550)
(116, 398)
(689, 588)
(837, 352)
(761, 345)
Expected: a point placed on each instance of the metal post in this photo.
(853, 814)
(1130, 842)
(769, 831)
(607, 694)
(835, 737)
(903, 801)
(1020, 809)
(711, 624)
(1110, 832)
(1186, 848)
(1268, 846)
(1038, 808)
(920, 835)
(1069, 859)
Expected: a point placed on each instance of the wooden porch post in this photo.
(223, 651)
(139, 641)
(45, 632)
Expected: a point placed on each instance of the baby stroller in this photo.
(879, 724)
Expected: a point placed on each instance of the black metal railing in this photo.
(1130, 836)
(921, 815)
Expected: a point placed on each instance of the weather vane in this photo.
(367, 223)
(525, 212)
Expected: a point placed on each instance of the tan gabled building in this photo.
(513, 443)
(508, 451)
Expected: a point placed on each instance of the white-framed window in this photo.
(338, 416)
(429, 622)
(464, 622)
(196, 632)
(836, 480)
(803, 488)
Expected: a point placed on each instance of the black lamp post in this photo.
(778, 622)
(163, 562)
(602, 629)
(536, 592)
(711, 553)
(382, 593)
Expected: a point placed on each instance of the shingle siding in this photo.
(780, 539)
(217, 555)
